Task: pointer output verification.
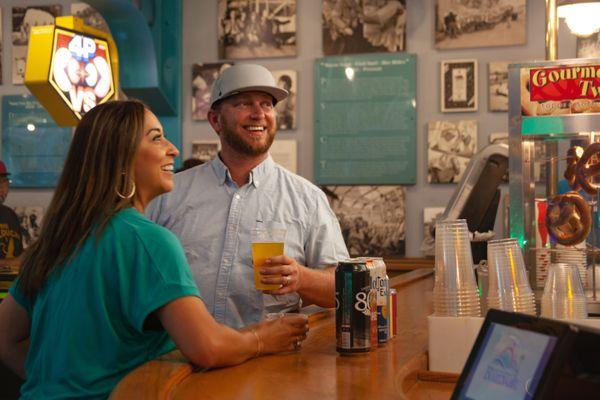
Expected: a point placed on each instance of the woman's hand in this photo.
(283, 334)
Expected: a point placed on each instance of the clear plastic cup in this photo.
(575, 256)
(455, 291)
(564, 297)
(509, 288)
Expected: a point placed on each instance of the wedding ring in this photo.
(286, 280)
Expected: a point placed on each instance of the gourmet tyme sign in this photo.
(567, 89)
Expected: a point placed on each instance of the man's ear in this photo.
(213, 118)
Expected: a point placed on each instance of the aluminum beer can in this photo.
(393, 312)
(353, 312)
(382, 286)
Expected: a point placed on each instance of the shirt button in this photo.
(237, 196)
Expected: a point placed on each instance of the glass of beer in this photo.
(266, 243)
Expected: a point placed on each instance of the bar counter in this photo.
(317, 371)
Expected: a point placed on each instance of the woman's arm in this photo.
(208, 344)
(14, 335)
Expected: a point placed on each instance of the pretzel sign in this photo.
(568, 218)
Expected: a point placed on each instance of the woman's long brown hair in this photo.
(99, 164)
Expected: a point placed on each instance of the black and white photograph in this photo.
(479, 23)
(450, 146)
(430, 216)
(257, 29)
(90, 16)
(498, 137)
(459, 85)
(498, 86)
(371, 217)
(30, 219)
(364, 26)
(23, 19)
(203, 77)
(205, 150)
(286, 109)
(589, 47)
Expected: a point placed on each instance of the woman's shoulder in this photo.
(131, 224)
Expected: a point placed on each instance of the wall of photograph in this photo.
(303, 31)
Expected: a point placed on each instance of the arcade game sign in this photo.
(71, 68)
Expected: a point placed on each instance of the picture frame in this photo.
(450, 146)
(205, 150)
(458, 83)
(498, 86)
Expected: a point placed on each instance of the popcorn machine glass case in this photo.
(554, 166)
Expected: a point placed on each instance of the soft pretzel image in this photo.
(568, 218)
(588, 167)
(573, 155)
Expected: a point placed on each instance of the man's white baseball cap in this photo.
(245, 78)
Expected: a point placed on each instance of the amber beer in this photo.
(266, 243)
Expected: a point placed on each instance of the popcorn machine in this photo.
(554, 167)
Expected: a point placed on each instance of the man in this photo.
(11, 242)
(215, 206)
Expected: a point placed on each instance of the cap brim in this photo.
(277, 93)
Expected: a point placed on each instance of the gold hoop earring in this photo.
(130, 195)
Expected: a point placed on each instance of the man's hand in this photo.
(289, 271)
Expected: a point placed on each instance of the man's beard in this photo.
(246, 146)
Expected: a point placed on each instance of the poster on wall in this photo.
(203, 77)
(450, 146)
(23, 18)
(369, 26)
(286, 108)
(560, 90)
(458, 85)
(365, 119)
(205, 150)
(257, 29)
(30, 219)
(589, 47)
(476, 23)
(90, 16)
(33, 147)
(285, 153)
(372, 218)
(498, 86)
(430, 216)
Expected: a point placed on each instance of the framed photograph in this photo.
(471, 23)
(589, 47)
(90, 16)
(257, 29)
(498, 137)
(203, 77)
(372, 218)
(286, 109)
(459, 85)
(30, 219)
(205, 150)
(23, 18)
(450, 146)
(430, 216)
(351, 27)
(498, 86)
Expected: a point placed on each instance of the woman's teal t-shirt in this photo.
(87, 322)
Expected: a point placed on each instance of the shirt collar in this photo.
(257, 175)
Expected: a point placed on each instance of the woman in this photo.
(104, 288)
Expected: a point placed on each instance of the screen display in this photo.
(80, 70)
(509, 364)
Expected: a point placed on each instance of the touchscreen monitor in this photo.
(508, 365)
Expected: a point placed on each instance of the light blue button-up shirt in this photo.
(213, 218)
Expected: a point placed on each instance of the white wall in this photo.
(200, 46)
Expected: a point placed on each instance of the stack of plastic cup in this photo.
(564, 297)
(574, 256)
(455, 292)
(508, 287)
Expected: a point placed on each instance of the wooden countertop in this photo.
(317, 371)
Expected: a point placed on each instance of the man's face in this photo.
(246, 123)
(4, 185)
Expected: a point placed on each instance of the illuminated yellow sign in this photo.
(71, 68)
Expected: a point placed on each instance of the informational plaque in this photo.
(365, 119)
(33, 147)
